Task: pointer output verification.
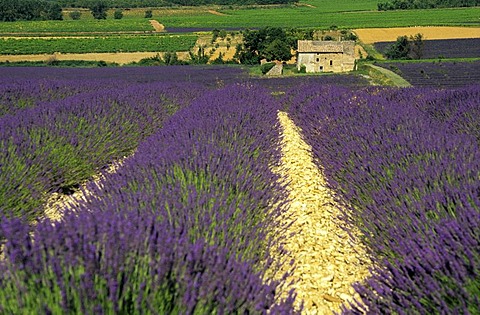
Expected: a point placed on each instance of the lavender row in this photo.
(57, 145)
(186, 225)
(440, 74)
(18, 94)
(457, 108)
(409, 182)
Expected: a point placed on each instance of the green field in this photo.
(77, 26)
(151, 43)
(321, 14)
(316, 17)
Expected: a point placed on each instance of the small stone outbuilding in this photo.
(326, 56)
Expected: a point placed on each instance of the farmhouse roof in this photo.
(323, 46)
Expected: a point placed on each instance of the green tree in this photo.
(99, 10)
(416, 46)
(75, 15)
(271, 43)
(118, 14)
(201, 57)
(277, 50)
(148, 14)
(53, 11)
(400, 49)
(171, 58)
(406, 48)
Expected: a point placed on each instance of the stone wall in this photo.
(276, 70)
(325, 62)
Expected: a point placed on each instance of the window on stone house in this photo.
(331, 62)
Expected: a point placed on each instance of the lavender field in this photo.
(443, 48)
(440, 74)
(190, 223)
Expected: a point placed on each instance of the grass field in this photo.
(86, 25)
(152, 43)
(308, 14)
(316, 17)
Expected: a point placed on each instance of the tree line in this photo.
(425, 4)
(13, 10)
(160, 3)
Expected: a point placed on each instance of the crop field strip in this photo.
(374, 35)
(154, 43)
(389, 153)
(308, 17)
(76, 26)
(437, 73)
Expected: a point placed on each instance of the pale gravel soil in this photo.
(214, 12)
(327, 263)
(56, 204)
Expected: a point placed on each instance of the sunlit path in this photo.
(326, 262)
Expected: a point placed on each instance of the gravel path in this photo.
(327, 263)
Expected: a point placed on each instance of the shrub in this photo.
(75, 15)
(99, 10)
(303, 69)
(148, 14)
(118, 14)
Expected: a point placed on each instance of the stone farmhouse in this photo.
(326, 56)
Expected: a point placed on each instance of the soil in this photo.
(57, 202)
(327, 261)
(157, 26)
(216, 13)
(373, 35)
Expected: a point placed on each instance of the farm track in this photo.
(327, 263)
(157, 26)
(214, 12)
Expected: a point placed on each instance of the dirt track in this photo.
(372, 35)
(157, 26)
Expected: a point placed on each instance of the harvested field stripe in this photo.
(327, 263)
(373, 35)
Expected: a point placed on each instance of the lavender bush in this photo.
(185, 226)
(56, 145)
(409, 182)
